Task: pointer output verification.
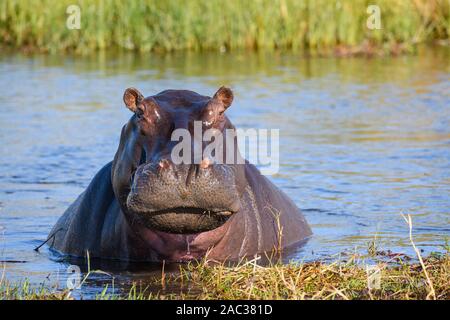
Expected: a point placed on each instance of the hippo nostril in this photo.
(205, 163)
(164, 164)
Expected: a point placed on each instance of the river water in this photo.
(361, 141)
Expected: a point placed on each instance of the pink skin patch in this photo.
(182, 247)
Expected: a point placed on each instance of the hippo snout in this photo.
(183, 198)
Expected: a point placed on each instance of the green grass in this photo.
(315, 26)
(317, 280)
(23, 291)
(341, 279)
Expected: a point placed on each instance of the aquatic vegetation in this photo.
(23, 291)
(342, 279)
(318, 27)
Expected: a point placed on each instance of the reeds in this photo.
(248, 280)
(316, 280)
(317, 27)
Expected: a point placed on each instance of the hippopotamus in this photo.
(144, 206)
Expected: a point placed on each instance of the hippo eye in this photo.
(210, 118)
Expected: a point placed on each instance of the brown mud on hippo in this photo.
(144, 207)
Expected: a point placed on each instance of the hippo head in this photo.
(160, 192)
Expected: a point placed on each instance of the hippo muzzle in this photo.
(183, 199)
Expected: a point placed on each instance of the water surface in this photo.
(362, 140)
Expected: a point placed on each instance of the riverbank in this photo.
(386, 276)
(324, 27)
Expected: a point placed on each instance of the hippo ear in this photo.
(224, 96)
(132, 97)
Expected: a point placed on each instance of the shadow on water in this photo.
(361, 141)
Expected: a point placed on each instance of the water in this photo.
(362, 140)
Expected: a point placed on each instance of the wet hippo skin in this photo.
(143, 206)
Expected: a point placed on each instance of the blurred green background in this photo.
(313, 26)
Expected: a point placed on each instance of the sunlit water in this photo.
(362, 141)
